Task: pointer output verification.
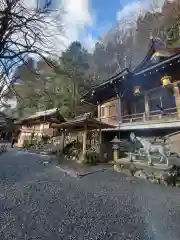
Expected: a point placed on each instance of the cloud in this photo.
(76, 18)
(67, 24)
(131, 11)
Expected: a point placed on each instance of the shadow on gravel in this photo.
(15, 167)
(77, 170)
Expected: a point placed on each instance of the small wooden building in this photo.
(35, 126)
(86, 130)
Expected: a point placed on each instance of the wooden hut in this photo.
(84, 128)
(37, 125)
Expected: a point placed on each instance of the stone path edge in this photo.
(80, 175)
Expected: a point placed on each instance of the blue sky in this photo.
(87, 20)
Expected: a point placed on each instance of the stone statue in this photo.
(149, 148)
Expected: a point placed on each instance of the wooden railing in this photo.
(169, 114)
(112, 120)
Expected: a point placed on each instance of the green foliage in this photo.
(26, 144)
(45, 138)
(92, 157)
(63, 88)
(73, 149)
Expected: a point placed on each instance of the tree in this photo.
(41, 88)
(23, 31)
(75, 61)
(127, 43)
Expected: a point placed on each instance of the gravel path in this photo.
(39, 201)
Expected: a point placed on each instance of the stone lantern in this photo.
(115, 146)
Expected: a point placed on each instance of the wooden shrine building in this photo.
(146, 100)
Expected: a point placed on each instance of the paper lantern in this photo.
(166, 80)
(137, 90)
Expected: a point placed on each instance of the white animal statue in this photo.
(150, 148)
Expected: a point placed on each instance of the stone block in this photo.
(141, 174)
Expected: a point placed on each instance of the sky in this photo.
(91, 19)
(88, 20)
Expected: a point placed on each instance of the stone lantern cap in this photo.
(115, 140)
(115, 143)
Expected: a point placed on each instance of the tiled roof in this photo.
(45, 113)
(80, 120)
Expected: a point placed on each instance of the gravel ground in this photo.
(39, 201)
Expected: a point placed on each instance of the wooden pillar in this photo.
(62, 139)
(100, 144)
(119, 114)
(84, 139)
(100, 136)
(99, 112)
(146, 103)
(177, 98)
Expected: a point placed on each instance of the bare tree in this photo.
(25, 30)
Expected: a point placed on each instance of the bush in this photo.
(72, 150)
(67, 149)
(92, 157)
(45, 138)
(26, 144)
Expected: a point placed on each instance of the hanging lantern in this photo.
(166, 80)
(137, 91)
